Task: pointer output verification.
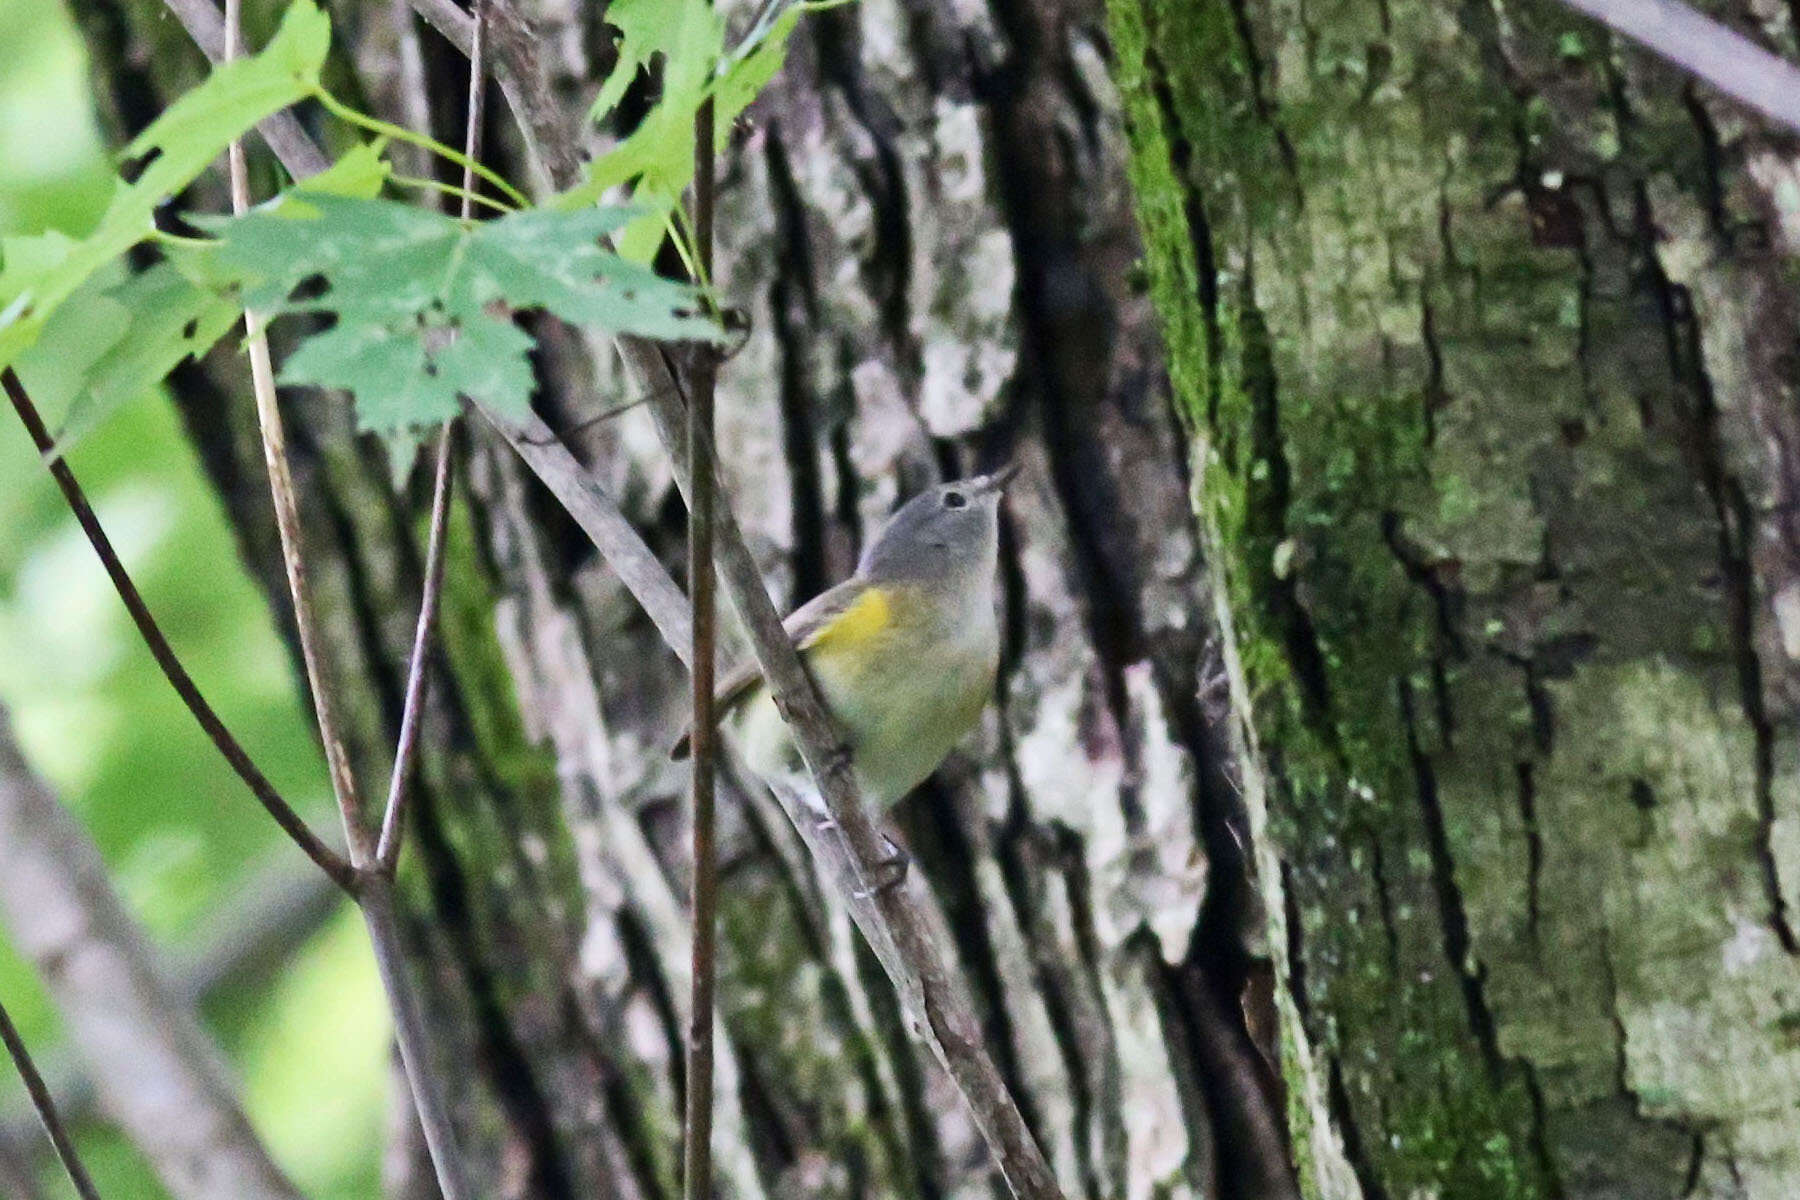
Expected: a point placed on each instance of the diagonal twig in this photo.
(895, 924)
(387, 850)
(541, 117)
(703, 896)
(46, 1108)
(283, 133)
(1703, 47)
(290, 821)
(606, 526)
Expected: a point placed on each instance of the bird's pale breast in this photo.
(906, 692)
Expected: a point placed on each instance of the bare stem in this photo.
(328, 860)
(282, 131)
(387, 851)
(287, 521)
(606, 526)
(895, 924)
(697, 1120)
(46, 1108)
(415, 1044)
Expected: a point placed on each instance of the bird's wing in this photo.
(829, 613)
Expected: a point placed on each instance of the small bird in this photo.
(904, 651)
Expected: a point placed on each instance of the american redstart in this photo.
(904, 651)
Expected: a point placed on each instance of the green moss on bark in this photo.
(1459, 456)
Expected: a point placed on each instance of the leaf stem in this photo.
(328, 860)
(46, 1108)
(435, 185)
(339, 109)
(163, 237)
(681, 226)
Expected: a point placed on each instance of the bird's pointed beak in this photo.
(998, 480)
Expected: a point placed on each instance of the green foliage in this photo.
(115, 340)
(42, 272)
(658, 156)
(425, 303)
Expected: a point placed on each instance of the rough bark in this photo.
(1483, 328)
(928, 225)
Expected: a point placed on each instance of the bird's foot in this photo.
(891, 867)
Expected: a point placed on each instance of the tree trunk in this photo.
(928, 225)
(1483, 327)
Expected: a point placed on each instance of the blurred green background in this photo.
(188, 846)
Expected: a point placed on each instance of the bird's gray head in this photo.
(943, 532)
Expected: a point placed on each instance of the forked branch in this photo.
(376, 889)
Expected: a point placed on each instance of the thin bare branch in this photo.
(894, 922)
(158, 1073)
(46, 1108)
(410, 1032)
(703, 897)
(607, 527)
(287, 522)
(329, 860)
(539, 447)
(375, 895)
(387, 851)
(541, 117)
(415, 105)
(1727, 60)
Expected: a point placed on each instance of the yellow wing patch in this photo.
(864, 617)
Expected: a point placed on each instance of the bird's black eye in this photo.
(955, 500)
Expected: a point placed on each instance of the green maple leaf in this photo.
(118, 335)
(424, 303)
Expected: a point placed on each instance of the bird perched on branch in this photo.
(904, 651)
